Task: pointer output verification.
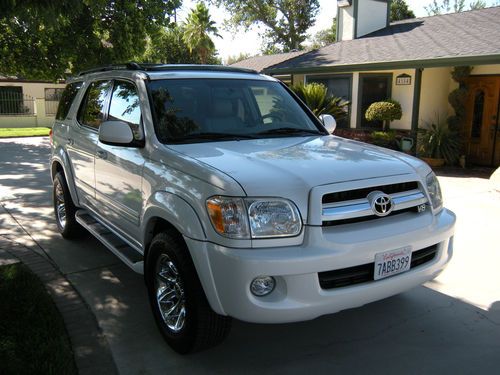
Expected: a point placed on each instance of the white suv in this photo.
(235, 201)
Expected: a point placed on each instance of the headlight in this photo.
(273, 218)
(254, 218)
(228, 216)
(434, 191)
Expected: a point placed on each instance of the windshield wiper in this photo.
(213, 136)
(290, 131)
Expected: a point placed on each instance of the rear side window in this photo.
(93, 106)
(125, 106)
(67, 98)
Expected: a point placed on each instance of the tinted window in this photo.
(217, 108)
(125, 106)
(67, 98)
(339, 86)
(92, 111)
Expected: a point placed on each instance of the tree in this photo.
(286, 21)
(50, 39)
(325, 37)
(436, 8)
(386, 111)
(234, 59)
(168, 47)
(197, 30)
(400, 11)
(477, 4)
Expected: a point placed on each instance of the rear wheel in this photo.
(65, 209)
(179, 304)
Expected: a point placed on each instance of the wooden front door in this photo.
(482, 122)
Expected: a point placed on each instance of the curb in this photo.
(90, 348)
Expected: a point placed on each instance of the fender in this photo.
(174, 209)
(59, 156)
(180, 214)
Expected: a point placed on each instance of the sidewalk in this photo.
(90, 348)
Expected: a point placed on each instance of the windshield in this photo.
(201, 110)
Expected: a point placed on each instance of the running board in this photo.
(130, 256)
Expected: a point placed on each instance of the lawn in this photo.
(33, 338)
(23, 132)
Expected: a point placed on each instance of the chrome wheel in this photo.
(170, 294)
(60, 205)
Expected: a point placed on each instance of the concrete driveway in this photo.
(450, 325)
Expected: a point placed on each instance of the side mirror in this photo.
(115, 133)
(328, 122)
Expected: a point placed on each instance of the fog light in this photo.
(263, 285)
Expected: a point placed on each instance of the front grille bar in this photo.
(361, 207)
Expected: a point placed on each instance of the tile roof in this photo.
(450, 36)
(259, 63)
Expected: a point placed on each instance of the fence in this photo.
(16, 104)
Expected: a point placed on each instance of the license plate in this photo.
(392, 262)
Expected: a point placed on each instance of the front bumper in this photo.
(226, 273)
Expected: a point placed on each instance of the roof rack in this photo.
(149, 67)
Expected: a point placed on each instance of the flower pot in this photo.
(433, 162)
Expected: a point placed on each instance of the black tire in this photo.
(64, 209)
(200, 327)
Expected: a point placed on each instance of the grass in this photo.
(23, 132)
(33, 337)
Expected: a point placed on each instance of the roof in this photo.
(260, 63)
(465, 38)
(148, 67)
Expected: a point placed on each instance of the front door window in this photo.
(373, 88)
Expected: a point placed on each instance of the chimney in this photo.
(356, 18)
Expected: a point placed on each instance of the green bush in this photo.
(316, 97)
(385, 139)
(387, 111)
(438, 141)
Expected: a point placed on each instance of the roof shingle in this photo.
(259, 63)
(457, 35)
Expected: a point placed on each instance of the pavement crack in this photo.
(111, 265)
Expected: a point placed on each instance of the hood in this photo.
(290, 167)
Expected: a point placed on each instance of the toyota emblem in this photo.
(380, 203)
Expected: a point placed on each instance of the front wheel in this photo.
(65, 209)
(177, 299)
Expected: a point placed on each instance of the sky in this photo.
(232, 44)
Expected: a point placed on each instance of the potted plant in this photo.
(437, 144)
(386, 111)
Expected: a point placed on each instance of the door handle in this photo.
(101, 154)
(71, 142)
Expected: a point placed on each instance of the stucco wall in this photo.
(402, 93)
(436, 85)
(486, 69)
(372, 16)
(36, 90)
(298, 78)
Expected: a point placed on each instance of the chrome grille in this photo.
(353, 205)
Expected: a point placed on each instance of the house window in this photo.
(11, 100)
(52, 97)
(53, 94)
(338, 85)
(372, 88)
(477, 116)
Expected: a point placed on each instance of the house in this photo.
(411, 61)
(28, 103)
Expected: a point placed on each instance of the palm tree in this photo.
(197, 28)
